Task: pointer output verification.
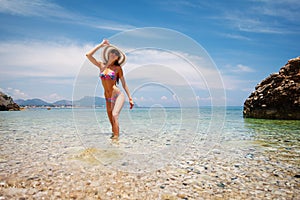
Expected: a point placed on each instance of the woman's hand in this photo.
(131, 103)
(105, 42)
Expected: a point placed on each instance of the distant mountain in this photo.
(62, 103)
(32, 102)
(86, 101)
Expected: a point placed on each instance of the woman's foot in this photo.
(113, 137)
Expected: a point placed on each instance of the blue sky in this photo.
(43, 45)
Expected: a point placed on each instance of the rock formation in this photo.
(7, 103)
(277, 96)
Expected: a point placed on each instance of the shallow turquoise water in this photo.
(147, 135)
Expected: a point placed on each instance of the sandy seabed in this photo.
(58, 168)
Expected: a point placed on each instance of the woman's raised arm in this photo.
(90, 54)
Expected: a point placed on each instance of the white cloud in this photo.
(30, 8)
(243, 68)
(41, 59)
(142, 98)
(19, 94)
(15, 93)
(203, 98)
(178, 74)
(58, 63)
(236, 36)
(233, 82)
(53, 97)
(172, 68)
(52, 11)
(264, 16)
(288, 9)
(164, 98)
(239, 68)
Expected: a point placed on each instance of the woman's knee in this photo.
(115, 115)
(108, 110)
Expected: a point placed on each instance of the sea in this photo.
(150, 138)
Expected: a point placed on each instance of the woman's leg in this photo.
(115, 113)
(109, 108)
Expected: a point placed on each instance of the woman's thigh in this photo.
(118, 104)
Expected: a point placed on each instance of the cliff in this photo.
(7, 103)
(277, 96)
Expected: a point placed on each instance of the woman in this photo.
(110, 74)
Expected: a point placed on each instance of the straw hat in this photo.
(108, 49)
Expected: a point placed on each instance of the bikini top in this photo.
(110, 75)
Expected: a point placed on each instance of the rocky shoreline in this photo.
(7, 103)
(277, 96)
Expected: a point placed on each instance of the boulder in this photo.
(7, 103)
(277, 96)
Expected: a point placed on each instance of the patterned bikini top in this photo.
(109, 75)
